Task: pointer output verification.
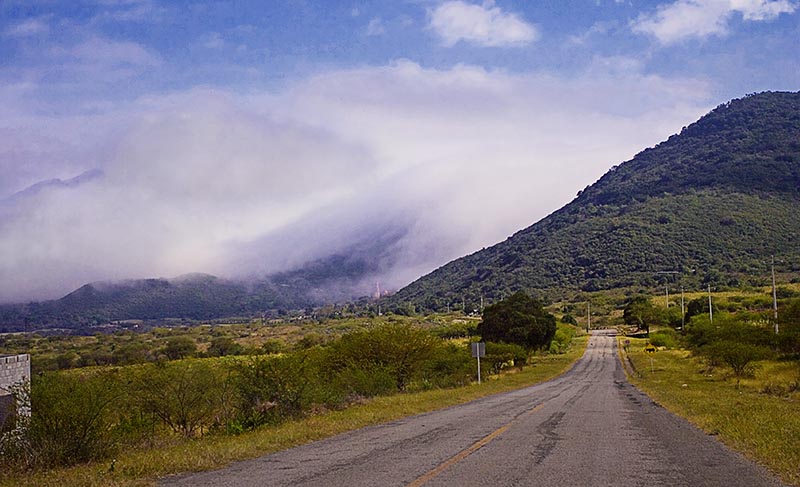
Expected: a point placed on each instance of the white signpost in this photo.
(478, 351)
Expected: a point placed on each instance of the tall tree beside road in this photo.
(519, 319)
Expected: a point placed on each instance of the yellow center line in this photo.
(469, 451)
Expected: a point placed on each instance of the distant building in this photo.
(14, 370)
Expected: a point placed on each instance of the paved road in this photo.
(589, 427)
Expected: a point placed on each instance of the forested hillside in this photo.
(710, 205)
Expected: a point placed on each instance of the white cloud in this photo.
(28, 28)
(103, 51)
(214, 41)
(482, 25)
(685, 19)
(138, 11)
(376, 27)
(209, 181)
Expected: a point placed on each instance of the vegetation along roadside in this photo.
(216, 410)
(747, 395)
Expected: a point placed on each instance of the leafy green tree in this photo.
(179, 348)
(641, 313)
(189, 397)
(72, 417)
(699, 306)
(569, 319)
(402, 348)
(519, 319)
(221, 346)
(272, 388)
(737, 355)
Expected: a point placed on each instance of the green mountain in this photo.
(710, 205)
(337, 278)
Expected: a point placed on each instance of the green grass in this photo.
(144, 466)
(760, 417)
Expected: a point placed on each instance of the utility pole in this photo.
(666, 284)
(588, 316)
(710, 311)
(774, 296)
(481, 303)
(683, 313)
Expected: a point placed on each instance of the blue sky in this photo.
(204, 129)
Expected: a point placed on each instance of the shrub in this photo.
(366, 382)
(403, 349)
(569, 319)
(179, 347)
(272, 389)
(222, 346)
(450, 366)
(738, 356)
(456, 330)
(562, 339)
(501, 356)
(273, 346)
(664, 338)
(187, 396)
(72, 418)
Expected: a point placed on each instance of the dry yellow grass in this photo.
(144, 467)
(763, 426)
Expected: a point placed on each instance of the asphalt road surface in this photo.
(589, 427)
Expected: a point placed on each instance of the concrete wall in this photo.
(13, 370)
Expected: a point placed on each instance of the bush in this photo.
(700, 332)
(562, 339)
(789, 336)
(450, 366)
(366, 382)
(569, 320)
(222, 346)
(189, 397)
(502, 356)
(72, 418)
(403, 349)
(272, 346)
(272, 389)
(456, 330)
(179, 347)
(664, 338)
(738, 356)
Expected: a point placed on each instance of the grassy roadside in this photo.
(142, 467)
(765, 427)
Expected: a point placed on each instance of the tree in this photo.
(180, 347)
(221, 346)
(789, 336)
(403, 349)
(737, 355)
(699, 306)
(519, 319)
(641, 313)
(189, 397)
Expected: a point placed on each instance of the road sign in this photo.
(650, 348)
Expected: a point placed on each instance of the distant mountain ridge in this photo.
(711, 205)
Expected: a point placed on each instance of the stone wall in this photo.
(14, 369)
